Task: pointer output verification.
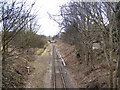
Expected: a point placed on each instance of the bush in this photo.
(28, 39)
(77, 54)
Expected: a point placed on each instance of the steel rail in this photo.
(55, 56)
(54, 74)
(61, 73)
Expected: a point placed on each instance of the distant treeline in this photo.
(28, 39)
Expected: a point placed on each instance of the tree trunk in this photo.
(118, 70)
(91, 58)
(111, 57)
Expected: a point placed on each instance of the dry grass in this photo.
(79, 73)
(39, 51)
(40, 65)
(15, 73)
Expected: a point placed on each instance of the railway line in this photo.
(59, 76)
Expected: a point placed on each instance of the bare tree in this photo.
(14, 18)
(118, 37)
(85, 15)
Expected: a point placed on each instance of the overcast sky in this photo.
(48, 26)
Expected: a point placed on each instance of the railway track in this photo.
(58, 79)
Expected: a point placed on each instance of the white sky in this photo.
(48, 26)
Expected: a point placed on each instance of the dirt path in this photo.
(41, 64)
